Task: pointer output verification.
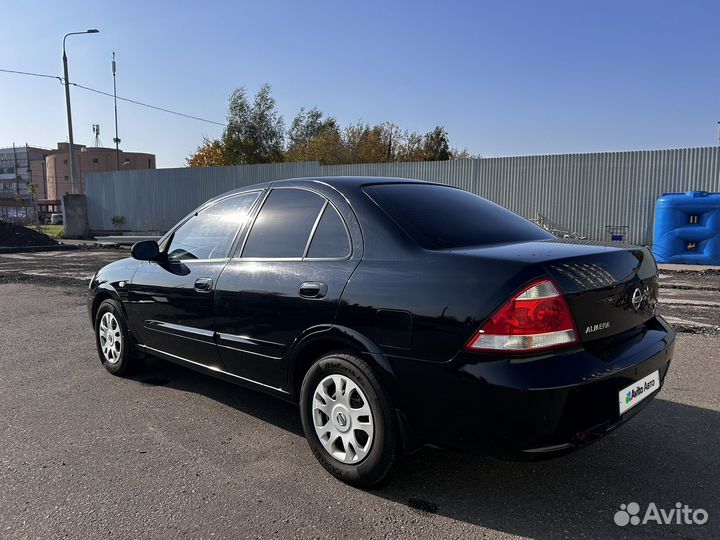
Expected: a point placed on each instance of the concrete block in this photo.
(75, 216)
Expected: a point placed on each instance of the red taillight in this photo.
(537, 318)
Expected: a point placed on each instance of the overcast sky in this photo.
(504, 77)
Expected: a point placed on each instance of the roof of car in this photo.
(339, 183)
(346, 181)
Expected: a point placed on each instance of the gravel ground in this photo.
(171, 454)
(74, 267)
(691, 300)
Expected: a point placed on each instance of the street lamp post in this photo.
(73, 170)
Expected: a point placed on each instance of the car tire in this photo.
(115, 345)
(349, 420)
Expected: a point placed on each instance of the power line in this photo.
(148, 105)
(30, 73)
(199, 119)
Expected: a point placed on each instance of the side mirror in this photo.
(147, 250)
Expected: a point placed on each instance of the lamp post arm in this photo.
(73, 168)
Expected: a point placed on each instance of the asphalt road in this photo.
(174, 454)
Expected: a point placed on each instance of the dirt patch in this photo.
(12, 235)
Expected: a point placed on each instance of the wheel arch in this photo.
(104, 292)
(320, 341)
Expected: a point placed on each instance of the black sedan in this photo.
(396, 313)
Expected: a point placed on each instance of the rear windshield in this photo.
(441, 217)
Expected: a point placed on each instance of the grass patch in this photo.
(53, 231)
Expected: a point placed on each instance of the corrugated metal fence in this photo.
(154, 200)
(583, 192)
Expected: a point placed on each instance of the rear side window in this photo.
(441, 217)
(283, 226)
(330, 240)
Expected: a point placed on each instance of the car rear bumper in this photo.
(531, 408)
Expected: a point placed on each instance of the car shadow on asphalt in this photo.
(275, 411)
(666, 454)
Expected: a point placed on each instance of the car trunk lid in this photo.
(610, 291)
(609, 288)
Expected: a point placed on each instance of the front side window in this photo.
(284, 224)
(209, 234)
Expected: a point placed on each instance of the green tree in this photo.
(255, 132)
(436, 145)
(311, 137)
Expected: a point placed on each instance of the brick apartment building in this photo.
(34, 179)
(88, 160)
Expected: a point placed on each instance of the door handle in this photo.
(203, 284)
(313, 289)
